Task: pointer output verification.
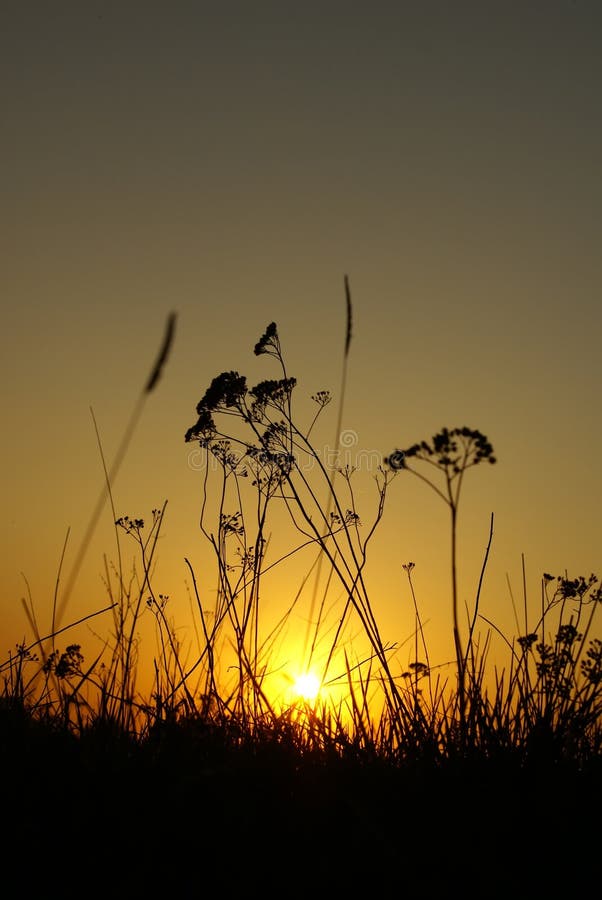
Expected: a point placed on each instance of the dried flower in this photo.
(268, 342)
(453, 450)
(272, 392)
(322, 398)
(226, 390)
(203, 430)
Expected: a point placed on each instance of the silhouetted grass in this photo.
(404, 781)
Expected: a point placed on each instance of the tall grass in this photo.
(261, 465)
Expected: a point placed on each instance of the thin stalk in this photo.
(348, 336)
(110, 477)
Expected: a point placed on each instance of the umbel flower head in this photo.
(203, 430)
(453, 450)
(269, 341)
(225, 391)
(274, 393)
(228, 393)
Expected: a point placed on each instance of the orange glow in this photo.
(307, 686)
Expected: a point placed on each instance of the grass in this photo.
(393, 778)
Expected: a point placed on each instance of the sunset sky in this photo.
(232, 162)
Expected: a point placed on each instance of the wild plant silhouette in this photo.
(403, 776)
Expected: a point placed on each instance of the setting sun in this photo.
(307, 686)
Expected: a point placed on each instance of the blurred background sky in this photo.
(232, 162)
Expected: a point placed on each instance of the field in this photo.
(484, 784)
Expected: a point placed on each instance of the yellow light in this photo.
(307, 686)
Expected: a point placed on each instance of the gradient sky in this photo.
(232, 162)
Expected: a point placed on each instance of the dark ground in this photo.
(187, 815)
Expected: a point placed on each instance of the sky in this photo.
(232, 163)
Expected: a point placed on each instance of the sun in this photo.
(307, 686)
